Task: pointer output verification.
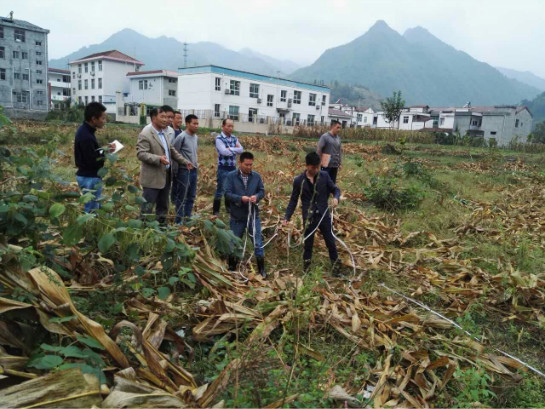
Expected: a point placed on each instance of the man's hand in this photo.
(285, 222)
(253, 199)
(238, 145)
(112, 147)
(190, 166)
(164, 160)
(335, 202)
(245, 199)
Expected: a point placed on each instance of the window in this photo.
(92, 98)
(86, 67)
(19, 35)
(516, 123)
(86, 100)
(15, 54)
(171, 93)
(86, 82)
(283, 95)
(216, 110)
(73, 75)
(217, 84)
(92, 83)
(38, 62)
(73, 90)
(296, 118)
(39, 102)
(41, 92)
(252, 114)
(20, 96)
(38, 53)
(324, 99)
(296, 97)
(364, 119)
(38, 43)
(79, 85)
(79, 68)
(359, 117)
(254, 90)
(66, 79)
(39, 81)
(493, 133)
(270, 99)
(100, 99)
(233, 110)
(99, 63)
(234, 88)
(143, 84)
(92, 66)
(312, 100)
(405, 119)
(38, 71)
(80, 100)
(172, 80)
(25, 77)
(322, 120)
(100, 83)
(24, 55)
(310, 120)
(2, 52)
(1, 32)
(66, 92)
(2, 73)
(442, 121)
(16, 75)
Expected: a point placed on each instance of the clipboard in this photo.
(326, 158)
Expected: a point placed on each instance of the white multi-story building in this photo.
(217, 92)
(153, 88)
(99, 77)
(59, 87)
(412, 118)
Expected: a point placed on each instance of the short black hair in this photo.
(246, 155)
(177, 113)
(225, 121)
(166, 108)
(312, 159)
(93, 110)
(334, 122)
(190, 118)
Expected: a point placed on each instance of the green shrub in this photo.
(386, 194)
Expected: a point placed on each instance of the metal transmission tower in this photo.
(185, 54)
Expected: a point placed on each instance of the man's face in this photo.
(246, 166)
(170, 118)
(312, 170)
(335, 129)
(177, 122)
(100, 121)
(193, 126)
(161, 120)
(228, 127)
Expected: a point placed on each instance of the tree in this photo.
(538, 134)
(392, 107)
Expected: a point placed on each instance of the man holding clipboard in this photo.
(329, 149)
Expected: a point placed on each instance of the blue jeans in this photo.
(184, 191)
(90, 184)
(239, 227)
(220, 179)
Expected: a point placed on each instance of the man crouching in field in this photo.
(314, 187)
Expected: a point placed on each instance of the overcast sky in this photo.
(500, 32)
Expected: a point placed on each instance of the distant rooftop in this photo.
(6, 21)
(249, 75)
(112, 55)
(153, 73)
(58, 71)
(338, 113)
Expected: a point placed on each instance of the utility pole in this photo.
(185, 55)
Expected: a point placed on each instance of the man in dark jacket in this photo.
(314, 187)
(244, 188)
(88, 156)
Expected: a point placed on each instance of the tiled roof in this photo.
(6, 21)
(113, 55)
(337, 113)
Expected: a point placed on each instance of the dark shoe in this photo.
(306, 265)
(261, 267)
(232, 262)
(227, 205)
(336, 268)
(216, 208)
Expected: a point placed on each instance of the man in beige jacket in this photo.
(155, 153)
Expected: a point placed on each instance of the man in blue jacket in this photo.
(244, 189)
(314, 187)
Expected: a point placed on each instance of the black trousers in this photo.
(332, 173)
(325, 229)
(158, 198)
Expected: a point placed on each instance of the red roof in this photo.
(113, 55)
(58, 70)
